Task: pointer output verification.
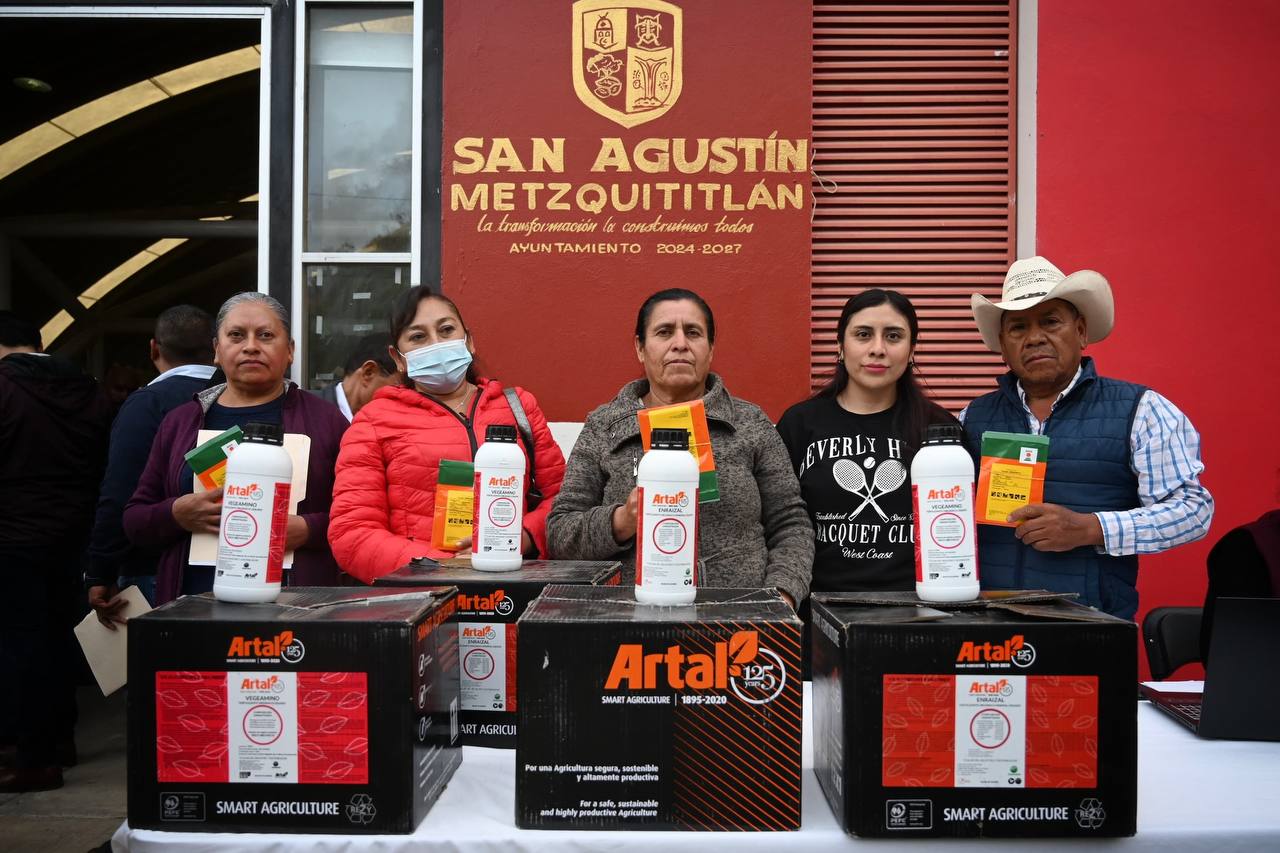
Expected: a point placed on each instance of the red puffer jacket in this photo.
(385, 484)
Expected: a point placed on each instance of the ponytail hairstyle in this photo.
(912, 410)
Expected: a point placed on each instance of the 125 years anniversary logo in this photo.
(627, 58)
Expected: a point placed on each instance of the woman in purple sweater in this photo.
(254, 349)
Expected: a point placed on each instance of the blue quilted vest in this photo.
(1089, 471)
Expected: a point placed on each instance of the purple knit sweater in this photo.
(148, 517)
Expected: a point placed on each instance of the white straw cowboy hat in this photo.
(1031, 281)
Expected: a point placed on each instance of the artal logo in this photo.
(1015, 650)
(252, 491)
(255, 684)
(628, 62)
(495, 602)
(754, 673)
(284, 645)
(991, 688)
(952, 494)
(679, 499)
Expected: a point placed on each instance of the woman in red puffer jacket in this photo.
(385, 483)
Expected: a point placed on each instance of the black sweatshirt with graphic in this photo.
(854, 475)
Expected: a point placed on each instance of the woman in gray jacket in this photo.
(757, 535)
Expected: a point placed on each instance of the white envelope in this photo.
(107, 650)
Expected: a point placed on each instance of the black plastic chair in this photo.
(1172, 638)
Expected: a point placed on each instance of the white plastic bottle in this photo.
(942, 496)
(255, 517)
(667, 521)
(499, 496)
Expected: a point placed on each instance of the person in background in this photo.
(758, 533)
(368, 368)
(384, 501)
(118, 382)
(254, 350)
(53, 441)
(1123, 476)
(182, 351)
(852, 443)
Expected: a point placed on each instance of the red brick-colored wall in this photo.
(561, 324)
(1157, 167)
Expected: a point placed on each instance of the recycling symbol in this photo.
(361, 809)
(1090, 814)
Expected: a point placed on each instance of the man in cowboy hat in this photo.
(1124, 463)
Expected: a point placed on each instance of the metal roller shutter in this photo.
(914, 173)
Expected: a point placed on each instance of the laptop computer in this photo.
(1241, 699)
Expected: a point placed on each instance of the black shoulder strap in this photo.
(522, 423)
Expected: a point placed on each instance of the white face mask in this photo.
(439, 368)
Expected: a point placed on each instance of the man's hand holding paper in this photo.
(1052, 527)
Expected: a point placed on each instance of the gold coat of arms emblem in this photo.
(627, 58)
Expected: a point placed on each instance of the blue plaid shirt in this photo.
(1164, 452)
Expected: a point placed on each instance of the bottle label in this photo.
(499, 513)
(667, 537)
(991, 731)
(944, 541)
(255, 520)
(488, 652)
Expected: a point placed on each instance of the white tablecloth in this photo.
(1193, 794)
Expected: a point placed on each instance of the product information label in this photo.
(498, 513)
(1011, 473)
(263, 736)
(1010, 489)
(666, 540)
(253, 528)
(991, 731)
(458, 522)
(944, 541)
(262, 727)
(484, 647)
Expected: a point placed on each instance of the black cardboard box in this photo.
(1014, 715)
(489, 603)
(635, 716)
(330, 710)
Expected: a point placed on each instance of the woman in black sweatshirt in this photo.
(852, 443)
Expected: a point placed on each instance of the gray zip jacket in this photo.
(757, 535)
